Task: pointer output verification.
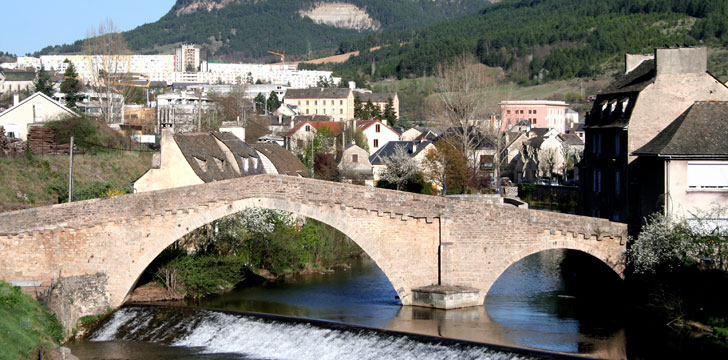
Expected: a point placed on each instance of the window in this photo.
(324, 110)
(617, 145)
(315, 102)
(306, 102)
(308, 127)
(299, 143)
(341, 102)
(617, 182)
(596, 144)
(376, 143)
(708, 175)
(597, 181)
(341, 111)
(534, 112)
(508, 111)
(299, 102)
(377, 128)
(355, 158)
(306, 111)
(323, 102)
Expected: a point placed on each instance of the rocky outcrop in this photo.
(191, 6)
(341, 15)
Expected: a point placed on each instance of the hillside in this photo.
(541, 40)
(246, 29)
(41, 180)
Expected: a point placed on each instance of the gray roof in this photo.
(571, 139)
(413, 148)
(20, 75)
(286, 162)
(208, 161)
(317, 93)
(699, 132)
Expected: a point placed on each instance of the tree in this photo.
(389, 114)
(109, 50)
(461, 89)
(571, 158)
(322, 142)
(447, 166)
(399, 168)
(273, 103)
(70, 85)
(43, 82)
(325, 166)
(260, 103)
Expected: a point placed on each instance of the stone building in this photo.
(33, 110)
(198, 158)
(631, 112)
(355, 167)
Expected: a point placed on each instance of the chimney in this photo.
(679, 61)
(414, 147)
(632, 61)
(16, 99)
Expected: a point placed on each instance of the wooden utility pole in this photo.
(70, 172)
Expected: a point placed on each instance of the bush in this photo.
(25, 325)
(202, 275)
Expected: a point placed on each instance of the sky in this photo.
(29, 27)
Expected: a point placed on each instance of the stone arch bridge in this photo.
(91, 253)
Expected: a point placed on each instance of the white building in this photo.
(36, 109)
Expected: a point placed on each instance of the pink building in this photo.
(539, 113)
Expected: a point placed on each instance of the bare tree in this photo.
(530, 155)
(571, 158)
(109, 58)
(460, 104)
(399, 167)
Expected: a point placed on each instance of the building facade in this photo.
(629, 114)
(540, 113)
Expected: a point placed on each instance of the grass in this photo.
(35, 182)
(25, 325)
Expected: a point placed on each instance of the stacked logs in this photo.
(42, 141)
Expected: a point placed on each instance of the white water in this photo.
(256, 338)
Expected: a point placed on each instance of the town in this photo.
(148, 197)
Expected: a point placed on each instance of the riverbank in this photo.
(27, 329)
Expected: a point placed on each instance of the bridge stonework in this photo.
(416, 240)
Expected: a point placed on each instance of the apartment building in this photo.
(539, 113)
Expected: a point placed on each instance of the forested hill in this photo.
(247, 29)
(543, 39)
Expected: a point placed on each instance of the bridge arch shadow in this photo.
(355, 229)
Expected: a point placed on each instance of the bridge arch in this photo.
(500, 266)
(360, 226)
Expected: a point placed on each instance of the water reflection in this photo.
(529, 306)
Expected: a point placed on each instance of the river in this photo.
(532, 305)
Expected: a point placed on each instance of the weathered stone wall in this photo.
(118, 237)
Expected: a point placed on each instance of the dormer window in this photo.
(201, 163)
(220, 163)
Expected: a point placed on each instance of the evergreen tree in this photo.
(273, 103)
(43, 82)
(372, 111)
(71, 86)
(389, 115)
(260, 101)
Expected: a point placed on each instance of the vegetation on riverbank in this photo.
(43, 180)
(679, 272)
(217, 257)
(26, 328)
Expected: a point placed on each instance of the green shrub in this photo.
(24, 324)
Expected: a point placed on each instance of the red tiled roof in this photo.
(336, 127)
(365, 124)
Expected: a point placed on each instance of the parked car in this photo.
(572, 182)
(543, 181)
(506, 181)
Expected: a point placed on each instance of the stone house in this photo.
(303, 133)
(418, 150)
(627, 115)
(197, 158)
(335, 102)
(378, 134)
(355, 167)
(33, 110)
(411, 133)
(684, 169)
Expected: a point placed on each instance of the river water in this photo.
(533, 305)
